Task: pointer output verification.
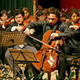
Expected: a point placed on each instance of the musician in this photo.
(72, 38)
(79, 13)
(41, 15)
(53, 23)
(18, 25)
(42, 26)
(27, 17)
(26, 12)
(4, 23)
(74, 14)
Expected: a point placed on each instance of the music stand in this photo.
(16, 38)
(22, 56)
(11, 38)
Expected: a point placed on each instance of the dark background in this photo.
(13, 4)
(49, 3)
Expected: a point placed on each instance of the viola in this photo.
(48, 57)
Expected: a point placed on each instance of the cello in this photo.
(48, 57)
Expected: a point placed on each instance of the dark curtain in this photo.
(49, 3)
(16, 4)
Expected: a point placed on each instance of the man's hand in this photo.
(74, 27)
(32, 31)
(54, 35)
(29, 31)
(19, 28)
(13, 28)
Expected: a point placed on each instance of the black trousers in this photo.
(62, 67)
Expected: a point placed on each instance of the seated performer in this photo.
(52, 23)
(18, 25)
(27, 17)
(72, 38)
(4, 22)
(42, 26)
(41, 15)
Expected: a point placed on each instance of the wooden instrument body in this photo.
(50, 62)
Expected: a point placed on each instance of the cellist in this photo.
(42, 26)
(52, 23)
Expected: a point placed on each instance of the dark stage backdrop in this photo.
(13, 4)
(49, 3)
(70, 4)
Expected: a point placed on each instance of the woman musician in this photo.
(4, 20)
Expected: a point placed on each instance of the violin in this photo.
(28, 20)
(17, 28)
(48, 57)
(78, 23)
(4, 24)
